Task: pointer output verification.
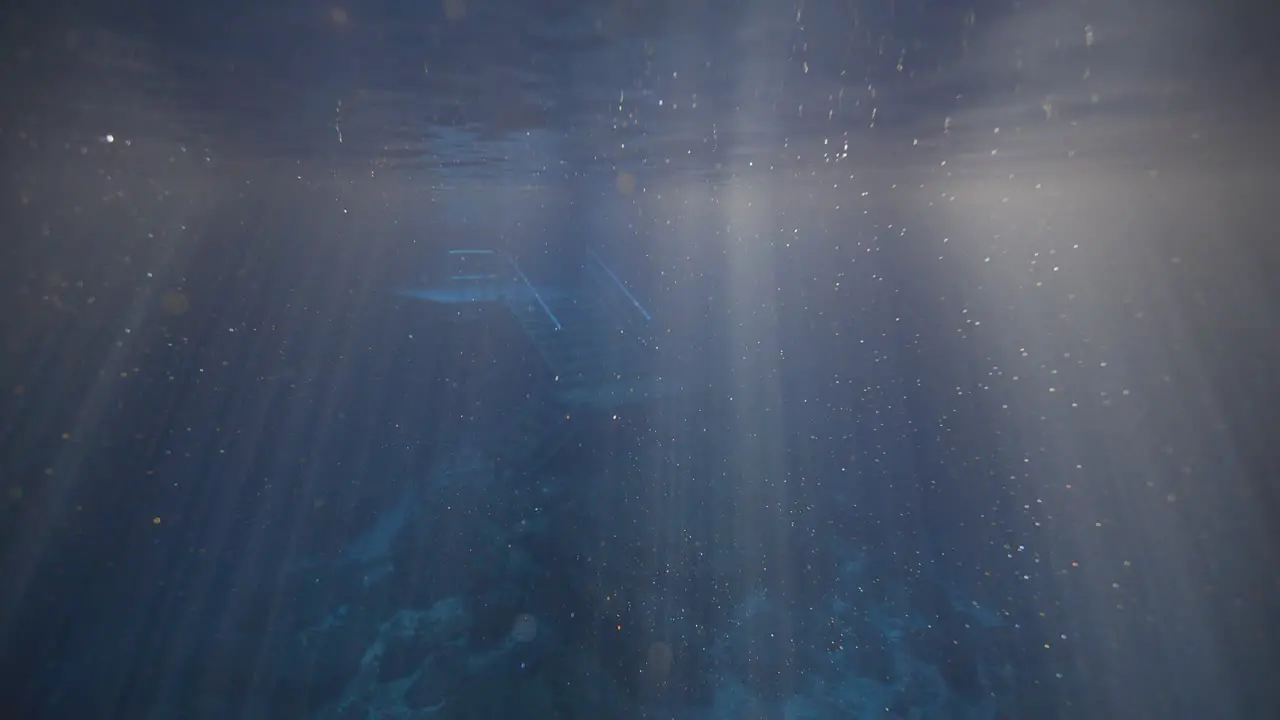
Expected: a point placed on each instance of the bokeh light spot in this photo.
(626, 183)
(525, 628)
(175, 303)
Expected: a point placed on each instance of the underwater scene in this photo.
(639, 360)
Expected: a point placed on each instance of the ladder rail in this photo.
(621, 286)
(536, 295)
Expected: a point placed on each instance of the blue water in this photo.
(807, 360)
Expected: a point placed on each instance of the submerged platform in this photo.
(592, 331)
